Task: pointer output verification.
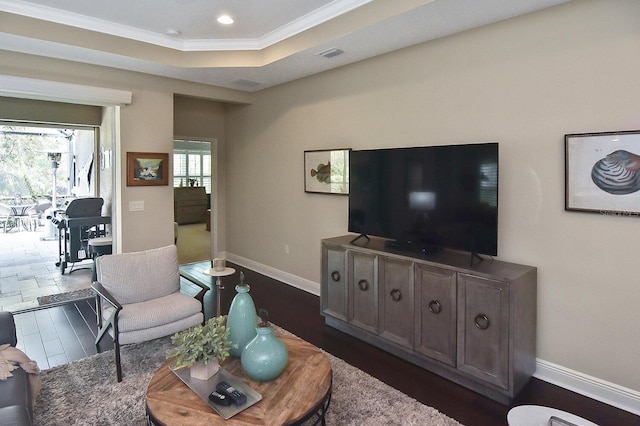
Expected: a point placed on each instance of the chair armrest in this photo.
(104, 293)
(7, 329)
(203, 288)
(202, 292)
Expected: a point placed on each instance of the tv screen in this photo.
(427, 198)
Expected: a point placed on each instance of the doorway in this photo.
(194, 195)
(42, 168)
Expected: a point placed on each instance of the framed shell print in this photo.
(602, 172)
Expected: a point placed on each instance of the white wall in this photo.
(524, 83)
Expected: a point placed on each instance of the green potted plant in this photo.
(201, 348)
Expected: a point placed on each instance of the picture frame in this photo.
(602, 173)
(327, 171)
(147, 168)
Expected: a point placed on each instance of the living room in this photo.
(524, 82)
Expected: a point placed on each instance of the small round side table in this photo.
(219, 274)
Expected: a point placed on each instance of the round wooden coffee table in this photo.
(301, 392)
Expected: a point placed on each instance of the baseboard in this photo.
(287, 278)
(592, 387)
(575, 381)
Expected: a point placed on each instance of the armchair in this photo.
(138, 298)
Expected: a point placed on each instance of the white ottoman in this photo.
(537, 415)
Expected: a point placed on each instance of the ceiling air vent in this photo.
(330, 53)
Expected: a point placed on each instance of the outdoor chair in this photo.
(6, 215)
(40, 208)
(30, 218)
(138, 298)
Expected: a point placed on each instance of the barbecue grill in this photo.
(80, 221)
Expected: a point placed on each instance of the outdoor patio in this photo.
(28, 270)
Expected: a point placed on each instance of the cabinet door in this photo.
(363, 291)
(436, 313)
(334, 282)
(396, 301)
(483, 329)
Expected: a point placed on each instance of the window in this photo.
(192, 163)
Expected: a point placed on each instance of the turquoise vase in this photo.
(242, 319)
(264, 357)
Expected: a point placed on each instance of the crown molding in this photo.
(315, 18)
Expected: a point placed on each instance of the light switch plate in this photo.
(136, 206)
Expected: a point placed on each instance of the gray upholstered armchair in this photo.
(139, 299)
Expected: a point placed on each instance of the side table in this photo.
(219, 274)
(196, 272)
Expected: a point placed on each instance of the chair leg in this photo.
(102, 330)
(118, 366)
(116, 343)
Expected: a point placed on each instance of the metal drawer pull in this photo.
(335, 276)
(435, 307)
(482, 321)
(363, 285)
(396, 295)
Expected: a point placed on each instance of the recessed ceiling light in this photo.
(173, 32)
(225, 19)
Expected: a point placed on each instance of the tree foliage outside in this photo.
(25, 170)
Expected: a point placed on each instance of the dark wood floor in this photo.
(299, 312)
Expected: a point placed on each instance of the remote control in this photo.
(219, 398)
(236, 396)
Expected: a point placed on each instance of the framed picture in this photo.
(147, 168)
(602, 172)
(327, 171)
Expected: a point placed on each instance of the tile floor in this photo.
(28, 270)
(58, 335)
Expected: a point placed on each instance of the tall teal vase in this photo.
(264, 357)
(242, 319)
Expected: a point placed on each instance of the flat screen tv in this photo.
(427, 198)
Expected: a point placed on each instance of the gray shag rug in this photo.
(86, 392)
